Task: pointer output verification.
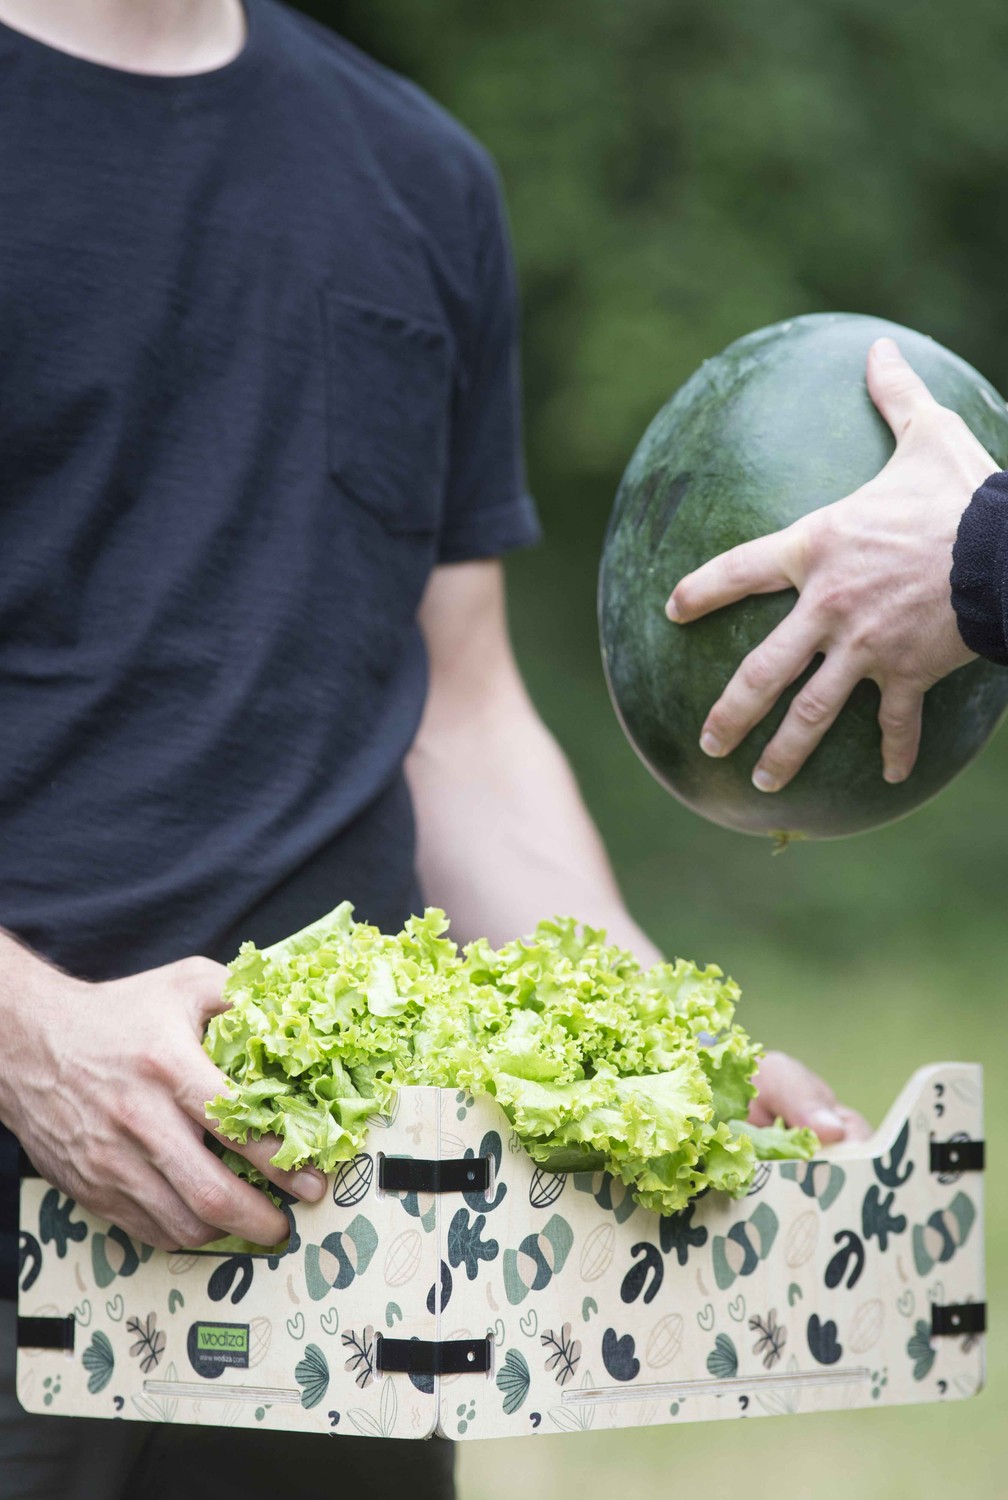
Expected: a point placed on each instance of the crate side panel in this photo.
(812, 1293)
(237, 1340)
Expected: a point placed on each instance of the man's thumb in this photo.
(897, 391)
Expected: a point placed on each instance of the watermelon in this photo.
(775, 426)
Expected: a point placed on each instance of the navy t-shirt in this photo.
(258, 376)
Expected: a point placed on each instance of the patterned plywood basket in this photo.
(445, 1284)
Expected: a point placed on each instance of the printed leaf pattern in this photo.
(785, 1400)
(921, 1350)
(312, 1375)
(367, 1424)
(389, 1408)
(360, 1361)
(158, 1408)
(99, 1361)
(564, 1353)
(149, 1341)
(514, 1379)
(575, 1418)
(722, 1361)
(772, 1337)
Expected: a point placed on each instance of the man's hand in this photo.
(788, 1088)
(872, 572)
(105, 1085)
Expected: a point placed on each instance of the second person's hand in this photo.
(872, 571)
(787, 1088)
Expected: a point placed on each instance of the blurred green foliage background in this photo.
(678, 174)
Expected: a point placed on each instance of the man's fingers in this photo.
(856, 1127)
(307, 1183)
(761, 566)
(813, 709)
(900, 721)
(759, 1114)
(211, 1194)
(898, 392)
(202, 982)
(136, 1221)
(203, 1082)
(789, 1089)
(146, 1205)
(759, 682)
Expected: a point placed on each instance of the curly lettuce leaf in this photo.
(778, 1142)
(595, 1061)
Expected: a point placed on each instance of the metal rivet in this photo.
(470, 1356)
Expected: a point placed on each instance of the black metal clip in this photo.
(957, 1318)
(410, 1174)
(424, 1357)
(957, 1156)
(46, 1333)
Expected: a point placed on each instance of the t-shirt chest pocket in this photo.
(388, 394)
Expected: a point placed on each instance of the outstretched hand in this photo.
(872, 571)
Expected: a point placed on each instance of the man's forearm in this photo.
(504, 837)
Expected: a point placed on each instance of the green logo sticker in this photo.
(213, 1347)
(222, 1336)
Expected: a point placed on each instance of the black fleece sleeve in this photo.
(979, 566)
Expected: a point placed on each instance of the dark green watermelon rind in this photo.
(769, 391)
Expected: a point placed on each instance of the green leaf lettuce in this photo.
(595, 1061)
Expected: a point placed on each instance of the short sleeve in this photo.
(488, 509)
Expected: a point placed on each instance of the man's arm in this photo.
(503, 835)
(105, 1084)
(872, 571)
(504, 838)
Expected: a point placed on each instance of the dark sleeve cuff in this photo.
(491, 532)
(978, 571)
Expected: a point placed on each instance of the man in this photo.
(260, 455)
(900, 583)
